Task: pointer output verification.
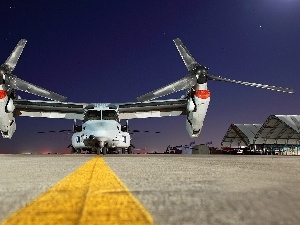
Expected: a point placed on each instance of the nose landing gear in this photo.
(101, 148)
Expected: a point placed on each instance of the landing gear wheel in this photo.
(73, 150)
(104, 150)
(123, 150)
(98, 151)
(129, 150)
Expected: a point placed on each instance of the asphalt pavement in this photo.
(175, 189)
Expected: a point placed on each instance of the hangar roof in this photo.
(279, 129)
(240, 135)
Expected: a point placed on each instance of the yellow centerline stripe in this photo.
(93, 194)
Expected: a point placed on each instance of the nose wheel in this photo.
(102, 148)
(102, 151)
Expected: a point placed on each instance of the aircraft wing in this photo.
(159, 108)
(70, 110)
(49, 109)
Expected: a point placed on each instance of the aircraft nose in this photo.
(101, 135)
(102, 138)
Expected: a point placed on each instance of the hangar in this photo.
(279, 134)
(240, 135)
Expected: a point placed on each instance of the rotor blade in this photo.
(12, 60)
(184, 83)
(22, 85)
(273, 88)
(186, 56)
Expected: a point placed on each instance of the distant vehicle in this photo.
(239, 151)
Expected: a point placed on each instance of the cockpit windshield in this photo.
(92, 115)
(101, 115)
(109, 115)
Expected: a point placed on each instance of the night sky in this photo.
(115, 51)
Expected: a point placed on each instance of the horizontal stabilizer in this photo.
(12, 60)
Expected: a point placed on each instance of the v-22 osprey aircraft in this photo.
(101, 128)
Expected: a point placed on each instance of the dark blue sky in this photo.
(115, 51)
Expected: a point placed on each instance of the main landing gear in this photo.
(129, 150)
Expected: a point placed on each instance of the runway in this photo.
(160, 189)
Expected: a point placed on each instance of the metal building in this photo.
(279, 129)
(239, 135)
(279, 134)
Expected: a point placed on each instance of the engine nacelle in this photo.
(7, 120)
(10, 107)
(190, 105)
(196, 110)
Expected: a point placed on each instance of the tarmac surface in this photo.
(174, 189)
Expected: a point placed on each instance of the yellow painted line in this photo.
(93, 194)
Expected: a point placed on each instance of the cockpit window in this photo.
(109, 115)
(101, 115)
(92, 115)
